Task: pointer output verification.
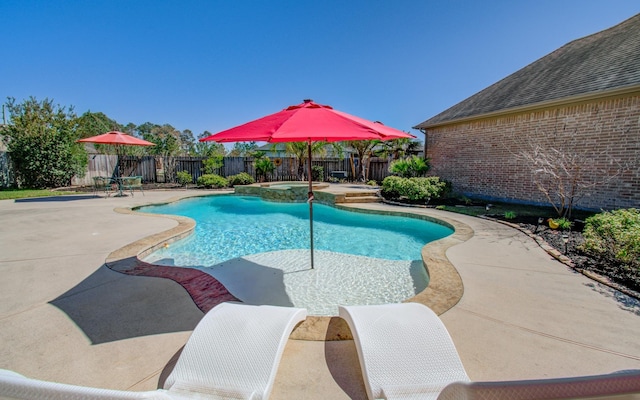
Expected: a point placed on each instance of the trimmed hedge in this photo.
(212, 181)
(240, 179)
(184, 178)
(414, 189)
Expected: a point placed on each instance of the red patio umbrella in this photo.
(308, 122)
(119, 140)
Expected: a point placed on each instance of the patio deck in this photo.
(68, 318)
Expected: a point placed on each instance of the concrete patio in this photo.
(66, 317)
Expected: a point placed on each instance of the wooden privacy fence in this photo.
(157, 169)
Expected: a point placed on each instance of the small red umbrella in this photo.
(308, 122)
(119, 140)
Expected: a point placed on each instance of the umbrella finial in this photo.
(307, 100)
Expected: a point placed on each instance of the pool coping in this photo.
(444, 291)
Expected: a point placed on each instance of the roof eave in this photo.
(625, 90)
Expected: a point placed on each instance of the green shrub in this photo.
(264, 166)
(212, 181)
(240, 179)
(413, 166)
(213, 163)
(41, 141)
(614, 236)
(317, 173)
(372, 183)
(392, 186)
(563, 223)
(414, 189)
(510, 215)
(184, 178)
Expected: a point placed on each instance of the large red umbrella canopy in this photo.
(308, 122)
(117, 138)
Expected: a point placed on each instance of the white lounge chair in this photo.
(233, 353)
(623, 385)
(405, 351)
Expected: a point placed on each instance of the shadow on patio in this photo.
(108, 306)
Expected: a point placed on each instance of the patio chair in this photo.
(132, 182)
(102, 184)
(406, 353)
(233, 353)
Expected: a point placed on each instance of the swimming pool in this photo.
(259, 251)
(229, 226)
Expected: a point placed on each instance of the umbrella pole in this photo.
(119, 152)
(310, 200)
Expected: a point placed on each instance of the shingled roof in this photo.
(598, 63)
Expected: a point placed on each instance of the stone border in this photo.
(283, 191)
(553, 252)
(444, 291)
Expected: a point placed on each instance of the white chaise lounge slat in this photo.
(236, 348)
(624, 385)
(16, 386)
(405, 351)
(233, 353)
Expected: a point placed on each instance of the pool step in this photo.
(361, 197)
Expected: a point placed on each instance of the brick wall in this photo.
(482, 158)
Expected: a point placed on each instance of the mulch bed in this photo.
(605, 271)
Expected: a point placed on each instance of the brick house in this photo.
(582, 100)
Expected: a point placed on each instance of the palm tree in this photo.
(364, 149)
(300, 152)
(263, 165)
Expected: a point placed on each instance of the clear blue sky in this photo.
(210, 65)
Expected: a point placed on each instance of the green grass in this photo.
(27, 193)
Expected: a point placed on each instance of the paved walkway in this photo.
(65, 317)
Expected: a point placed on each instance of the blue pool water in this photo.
(229, 226)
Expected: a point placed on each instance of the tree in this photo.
(41, 140)
(241, 149)
(213, 163)
(208, 149)
(132, 129)
(396, 149)
(300, 151)
(145, 129)
(166, 139)
(187, 143)
(92, 124)
(364, 150)
(129, 128)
